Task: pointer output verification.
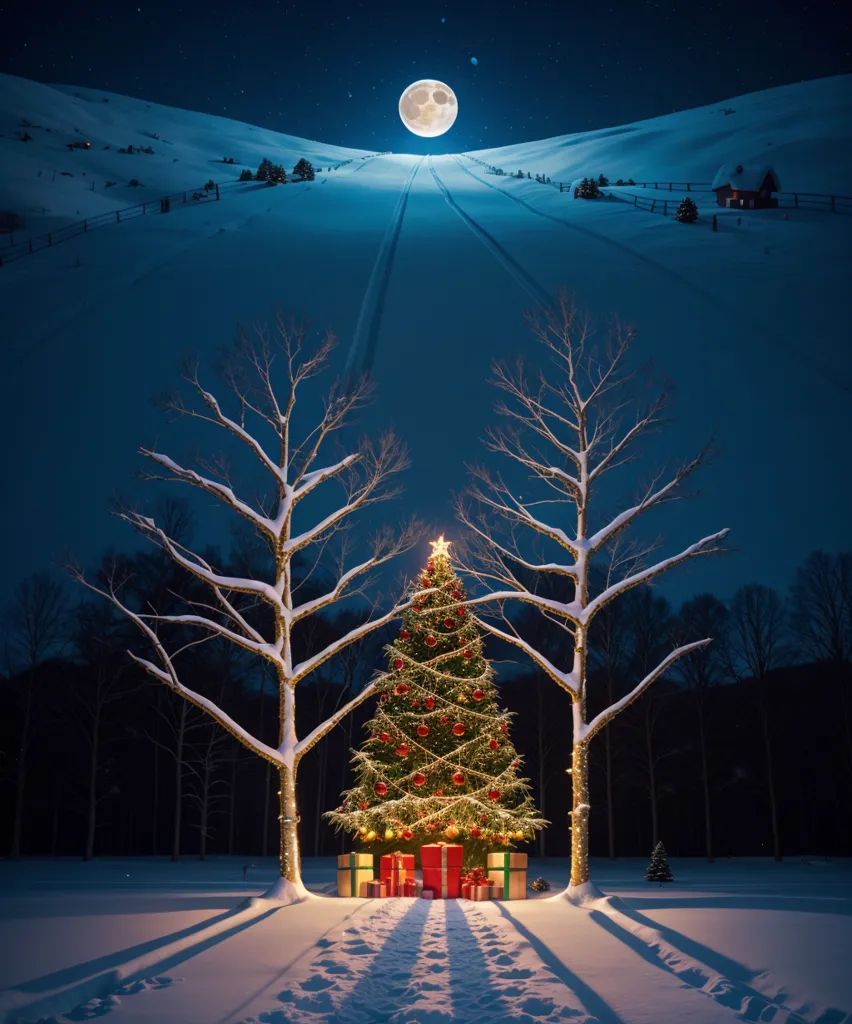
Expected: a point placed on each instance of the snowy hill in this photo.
(423, 268)
(801, 129)
(188, 150)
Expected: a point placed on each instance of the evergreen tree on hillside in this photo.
(304, 170)
(587, 189)
(246, 175)
(687, 212)
(277, 175)
(264, 169)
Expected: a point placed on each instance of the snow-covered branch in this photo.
(585, 731)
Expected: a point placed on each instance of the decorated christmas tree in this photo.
(438, 763)
(658, 870)
(687, 212)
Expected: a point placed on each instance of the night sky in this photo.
(334, 71)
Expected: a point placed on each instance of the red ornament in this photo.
(401, 750)
(415, 703)
(494, 795)
(422, 730)
(460, 612)
(401, 689)
(419, 779)
(444, 720)
(429, 703)
(499, 839)
(475, 832)
(383, 736)
(439, 792)
(449, 623)
(468, 654)
(398, 663)
(462, 641)
(363, 805)
(516, 764)
(426, 582)
(483, 818)
(381, 788)
(458, 779)
(493, 744)
(431, 827)
(504, 727)
(456, 595)
(404, 634)
(384, 698)
(430, 641)
(407, 834)
(458, 729)
(478, 694)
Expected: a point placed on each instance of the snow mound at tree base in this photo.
(285, 893)
(580, 895)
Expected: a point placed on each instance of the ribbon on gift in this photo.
(506, 871)
(354, 868)
(397, 867)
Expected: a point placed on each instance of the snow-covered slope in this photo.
(70, 184)
(801, 129)
(424, 268)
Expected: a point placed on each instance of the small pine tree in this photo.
(658, 870)
(630, 181)
(603, 180)
(587, 189)
(687, 212)
(277, 175)
(620, 181)
(304, 170)
(264, 169)
(246, 175)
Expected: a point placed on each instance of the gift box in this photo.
(396, 869)
(377, 887)
(412, 887)
(509, 870)
(427, 894)
(476, 876)
(465, 890)
(442, 867)
(354, 870)
(478, 893)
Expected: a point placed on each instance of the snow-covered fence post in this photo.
(575, 416)
(296, 470)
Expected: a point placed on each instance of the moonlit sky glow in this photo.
(334, 71)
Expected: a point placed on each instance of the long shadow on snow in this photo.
(101, 985)
(469, 968)
(590, 999)
(736, 995)
(805, 904)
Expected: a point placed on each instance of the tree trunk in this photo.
(770, 779)
(91, 824)
(288, 854)
(610, 816)
(705, 784)
(232, 806)
(21, 773)
(205, 808)
(178, 786)
(542, 774)
(580, 815)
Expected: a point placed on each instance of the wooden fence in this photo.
(82, 227)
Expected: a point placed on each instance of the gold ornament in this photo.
(451, 832)
(518, 835)
(370, 836)
(389, 833)
(362, 830)
(461, 699)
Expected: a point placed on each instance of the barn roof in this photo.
(745, 176)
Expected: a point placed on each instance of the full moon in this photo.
(428, 108)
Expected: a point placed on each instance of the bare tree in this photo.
(758, 645)
(35, 629)
(564, 431)
(297, 469)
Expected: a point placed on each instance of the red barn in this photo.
(748, 187)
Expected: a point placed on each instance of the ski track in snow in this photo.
(537, 293)
(421, 962)
(369, 321)
(829, 373)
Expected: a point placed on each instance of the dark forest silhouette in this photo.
(743, 749)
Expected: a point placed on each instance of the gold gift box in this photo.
(509, 871)
(354, 871)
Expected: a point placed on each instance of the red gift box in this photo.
(377, 888)
(396, 869)
(411, 887)
(442, 867)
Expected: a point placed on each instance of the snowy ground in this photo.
(151, 941)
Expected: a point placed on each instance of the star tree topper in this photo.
(440, 547)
